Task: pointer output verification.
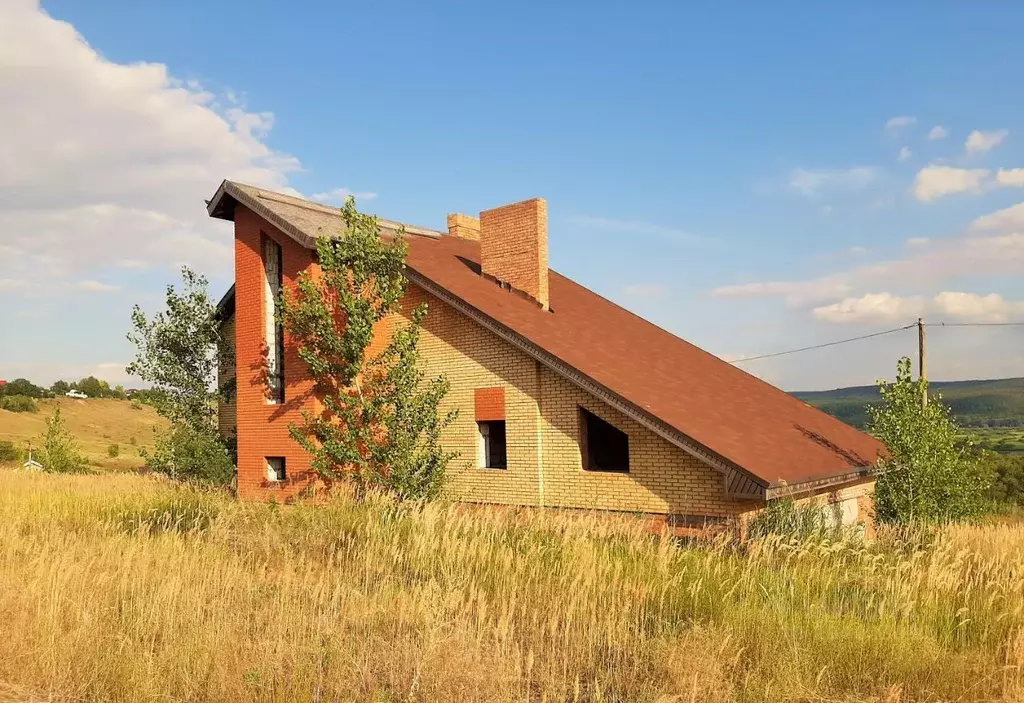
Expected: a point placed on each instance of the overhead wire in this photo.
(822, 346)
(876, 334)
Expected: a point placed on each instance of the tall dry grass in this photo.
(131, 588)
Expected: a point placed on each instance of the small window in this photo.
(276, 469)
(604, 447)
(492, 445)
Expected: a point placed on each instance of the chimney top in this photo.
(464, 226)
(514, 247)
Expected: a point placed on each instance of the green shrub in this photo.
(60, 451)
(931, 474)
(186, 454)
(136, 404)
(8, 452)
(18, 404)
(1005, 473)
(114, 450)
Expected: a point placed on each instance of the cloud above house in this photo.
(937, 132)
(111, 169)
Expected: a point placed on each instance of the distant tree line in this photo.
(20, 395)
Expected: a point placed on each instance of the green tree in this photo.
(22, 386)
(91, 386)
(60, 387)
(930, 476)
(178, 351)
(380, 426)
(59, 452)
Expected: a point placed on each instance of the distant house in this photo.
(31, 464)
(76, 394)
(565, 399)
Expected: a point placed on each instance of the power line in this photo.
(974, 324)
(822, 346)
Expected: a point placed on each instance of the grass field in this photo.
(123, 587)
(96, 423)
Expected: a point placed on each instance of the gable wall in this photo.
(542, 426)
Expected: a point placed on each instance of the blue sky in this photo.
(753, 181)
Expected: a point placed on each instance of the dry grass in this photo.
(96, 424)
(121, 587)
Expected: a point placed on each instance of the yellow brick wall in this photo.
(542, 428)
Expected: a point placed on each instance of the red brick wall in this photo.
(489, 404)
(262, 426)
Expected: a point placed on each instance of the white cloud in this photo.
(904, 155)
(796, 293)
(872, 307)
(889, 308)
(938, 132)
(338, 195)
(937, 181)
(811, 183)
(1005, 219)
(918, 241)
(645, 291)
(895, 124)
(97, 286)
(1001, 254)
(106, 165)
(978, 141)
(1010, 177)
(976, 308)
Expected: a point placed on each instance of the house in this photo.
(564, 398)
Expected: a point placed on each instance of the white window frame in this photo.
(277, 469)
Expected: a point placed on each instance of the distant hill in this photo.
(993, 403)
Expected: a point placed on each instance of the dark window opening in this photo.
(492, 444)
(272, 263)
(276, 468)
(604, 446)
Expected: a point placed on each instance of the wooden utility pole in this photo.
(922, 361)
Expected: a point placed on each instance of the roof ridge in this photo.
(305, 204)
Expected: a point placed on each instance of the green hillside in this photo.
(976, 404)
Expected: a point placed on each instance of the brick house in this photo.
(565, 399)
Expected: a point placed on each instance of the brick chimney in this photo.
(464, 226)
(514, 247)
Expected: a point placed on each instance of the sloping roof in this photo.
(752, 431)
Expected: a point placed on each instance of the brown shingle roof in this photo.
(722, 413)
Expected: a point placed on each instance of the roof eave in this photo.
(793, 490)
